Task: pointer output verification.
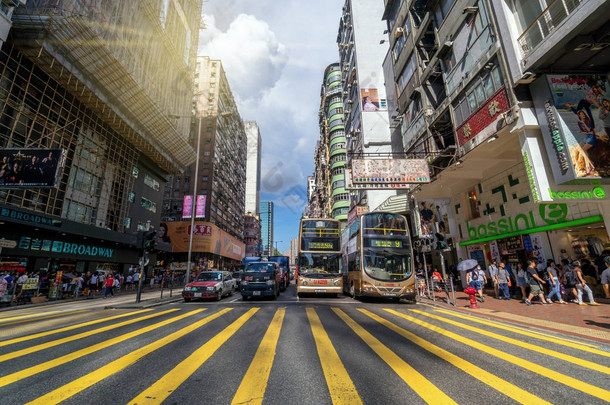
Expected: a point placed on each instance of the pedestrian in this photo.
(521, 281)
(128, 282)
(420, 280)
(493, 273)
(581, 285)
(482, 278)
(502, 280)
(605, 277)
(569, 278)
(436, 279)
(473, 278)
(93, 283)
(553, 278)
(109, 286)
(535, 283)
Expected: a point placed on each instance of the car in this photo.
(237, 276)
(209, 284)
(261, 279)
(283, 262)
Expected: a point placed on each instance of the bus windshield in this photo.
(322, 265)
(387, 264)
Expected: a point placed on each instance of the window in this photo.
(127, 222)
(131, 197)
(482, 87)
(209, 129)
(204, 178)
(407, 73)
(152, 183)
(148, 205)
(135, 172)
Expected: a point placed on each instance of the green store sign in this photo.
(597, 193)
(552, 216)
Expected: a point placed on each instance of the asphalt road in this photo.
(289, 351)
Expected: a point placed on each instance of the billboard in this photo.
(206, 238)
(26, 168)
(389, 171)
(574, 113)
(187, 206)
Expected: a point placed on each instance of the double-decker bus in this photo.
(378, 257)
(319, 257)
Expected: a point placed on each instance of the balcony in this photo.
(546, 23)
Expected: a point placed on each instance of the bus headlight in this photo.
(244, 282)
(304, 282)
(336, 283)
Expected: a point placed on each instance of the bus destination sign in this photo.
(316, 245)
(385, 243)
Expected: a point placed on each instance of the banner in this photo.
(187, 206)
(23, 167)
(574, 115)
(389, 171)
(207, 238)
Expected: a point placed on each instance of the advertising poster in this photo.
(582, 103)
(200, 209)
(370, 99)
(24, 167)
(206, 238)
(187, 206)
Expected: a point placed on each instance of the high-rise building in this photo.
(508, 103)
(6, 12)
(332, 139)
(253, 167)
(366, 121)
(221, 181)
(266, 217)
(86, 92)
(252, 235)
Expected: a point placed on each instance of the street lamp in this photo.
(276, 242)
(194, 200)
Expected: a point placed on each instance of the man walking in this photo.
(535, 283)
(606, 277)
(493, 274)
(502, 277)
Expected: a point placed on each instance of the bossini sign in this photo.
(548, 217)
(596, 193)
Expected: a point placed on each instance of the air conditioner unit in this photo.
(399, 32)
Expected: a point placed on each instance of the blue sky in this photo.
(274, 55)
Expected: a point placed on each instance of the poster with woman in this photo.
(370, 99)
(582, 102)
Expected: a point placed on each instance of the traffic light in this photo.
(148, 241)
(441, 244)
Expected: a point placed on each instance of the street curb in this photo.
(466, 310)
(144, 304)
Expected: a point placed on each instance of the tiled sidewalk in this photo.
(587, 321)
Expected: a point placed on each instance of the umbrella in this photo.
(467, 264)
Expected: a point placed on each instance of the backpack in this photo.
(528, 277)
(571, 276)
(474, 275)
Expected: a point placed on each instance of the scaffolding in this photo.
(122, 61)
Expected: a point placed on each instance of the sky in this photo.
(274, 55)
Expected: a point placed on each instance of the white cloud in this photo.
(250, 53)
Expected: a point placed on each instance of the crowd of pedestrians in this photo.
(546, 283)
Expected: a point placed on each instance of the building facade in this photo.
(266, 218)
(491, 93)
(252, 236)
(99, 115)
(218, 131)
(253, 167)
(366, 120)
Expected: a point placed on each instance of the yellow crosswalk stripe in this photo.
(72, 327)
(505, 387)
(79, 354)
(53, 343)
(167, 384)
(25, 316)
(340, 385)
(81, 384)
(573, 344)
(528, 365)
(252, 388)
(40, 317)
(418, 383)
(540, 349)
